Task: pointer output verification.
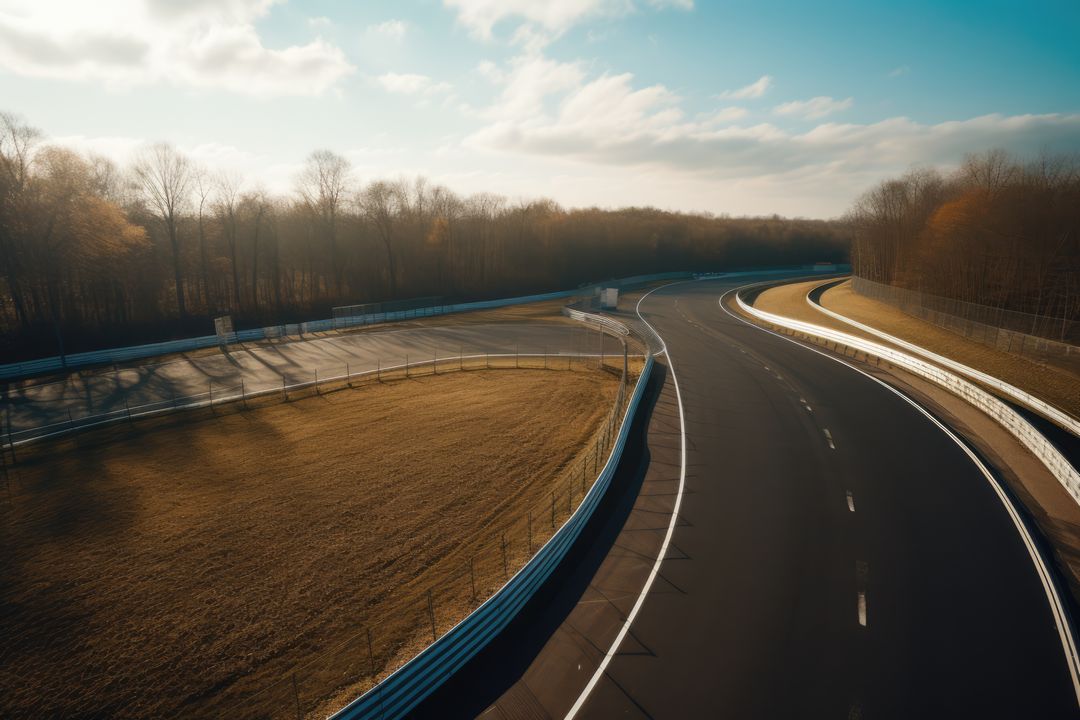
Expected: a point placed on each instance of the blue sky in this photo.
(740, 108)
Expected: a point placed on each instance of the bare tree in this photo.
(165, 176)
(226, 206)
(323, 185)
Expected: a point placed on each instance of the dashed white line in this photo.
(862, 608)
(850, 502)
(1068, 644)
(828, 436)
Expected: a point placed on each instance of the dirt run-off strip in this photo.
(263, 560)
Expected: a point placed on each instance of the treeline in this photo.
(93, 255)
(997, 231)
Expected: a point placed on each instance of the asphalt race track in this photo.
(836, 555)
(262, 367)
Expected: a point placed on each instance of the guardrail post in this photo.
(210, 388)
(243, 392)
(348, 375)
(128, 408)
(406, 364)
(317, 381)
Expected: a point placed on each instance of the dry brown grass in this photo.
(178, 567)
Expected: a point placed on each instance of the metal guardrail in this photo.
(403, 690)
(1024, 398)
(1008, 418)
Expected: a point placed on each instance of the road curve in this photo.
(838, 556)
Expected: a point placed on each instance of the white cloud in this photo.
(319, 23)
(814, 108)
(411, 84)
(392, 29)
(754, 90)
(138, 42)
(902, 70)
(540, 22)
(553, 111)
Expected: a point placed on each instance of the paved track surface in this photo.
(263, 367)
(808, 486)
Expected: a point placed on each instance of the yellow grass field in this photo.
(180, 566)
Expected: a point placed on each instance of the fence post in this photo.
(284, 390)
(406, 364)
(210, 385)
(370, 653)
(431, 614)
(296, 696)
(348, 375)
(243, 392)
(472, 576)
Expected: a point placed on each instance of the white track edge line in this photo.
(1068, 645)
(602, 668)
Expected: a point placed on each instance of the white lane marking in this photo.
(828, 436)
(850, 502)
(1068, 644)
(667, 538)
(862, 569)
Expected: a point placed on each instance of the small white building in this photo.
(609, 298)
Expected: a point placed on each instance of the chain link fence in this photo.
(1034, 336)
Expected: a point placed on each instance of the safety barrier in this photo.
(1040, 406)
(403, 690)
(1008, 418)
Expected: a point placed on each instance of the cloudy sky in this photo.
(730, 107)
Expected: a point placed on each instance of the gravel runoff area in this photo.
(182, 565)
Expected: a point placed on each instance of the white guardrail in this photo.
(1040, 406)
(1008, 418)
(414, 681)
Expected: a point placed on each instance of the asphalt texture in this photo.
(836, 555)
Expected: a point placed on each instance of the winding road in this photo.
(803, 542)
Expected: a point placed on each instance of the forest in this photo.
(998, 231)
(95, 255)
